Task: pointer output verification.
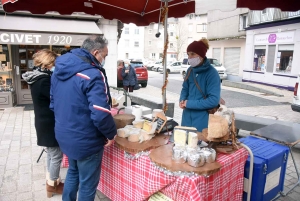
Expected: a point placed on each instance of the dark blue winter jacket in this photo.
(80, 101)
(207, 77)
(129, 79)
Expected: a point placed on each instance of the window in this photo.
(190, 27)
(173, 56)
(126, 55)
(160, 55)
(243, 22)
(201, 28)
(264, 11)
(259, 58)
(126, 43)
(191, 16)
(149, 42)
(171, 34)
(126, 30)
(150, 31)
(136, 31)
(136, 44)
(284, 58)
(171, 45)
(153, 55)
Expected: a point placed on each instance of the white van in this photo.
(296, 100)
(214, 62)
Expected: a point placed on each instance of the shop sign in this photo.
(41, 39)
(274, 38)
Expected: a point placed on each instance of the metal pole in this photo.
(250, 171)
(165, 64)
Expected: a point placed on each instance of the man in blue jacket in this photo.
(81, 103)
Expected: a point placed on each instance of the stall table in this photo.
(126, 179)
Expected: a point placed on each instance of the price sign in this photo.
(161, 122)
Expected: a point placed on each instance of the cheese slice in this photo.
(134, 137)
(180, 137)
(192, 140)
(147, 126)
(122, 132)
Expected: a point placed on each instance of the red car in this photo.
(141, 73)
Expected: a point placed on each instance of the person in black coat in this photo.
(129, 77)
(40, 81)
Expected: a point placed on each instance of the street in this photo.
(233, 99)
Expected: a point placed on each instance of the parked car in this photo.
(214, 62)
(150, 65)
(296, 100)
(156, 66)
(172, 67)
(141, 73)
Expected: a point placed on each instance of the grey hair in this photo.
(94, 42)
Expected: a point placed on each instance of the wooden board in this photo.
(136, 147)
(162, 156)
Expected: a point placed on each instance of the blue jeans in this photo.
(83, 174)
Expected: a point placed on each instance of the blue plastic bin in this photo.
(270, 160)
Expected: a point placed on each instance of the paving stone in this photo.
(8, 197)
(9, 176)
(8, 187)
(23, 169)
(3, 160)
(39, 184)
(25, 196)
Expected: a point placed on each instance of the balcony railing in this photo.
(269, 15)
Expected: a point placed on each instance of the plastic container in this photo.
(270, 161)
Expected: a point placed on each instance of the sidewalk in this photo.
(23, 179)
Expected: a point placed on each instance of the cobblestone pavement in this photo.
(23, 179)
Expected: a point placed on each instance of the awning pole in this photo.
(165, 55)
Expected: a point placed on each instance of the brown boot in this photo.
(54, 187)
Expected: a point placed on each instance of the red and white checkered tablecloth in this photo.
(135, 180)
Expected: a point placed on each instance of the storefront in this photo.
(21, 37)
(271, 55)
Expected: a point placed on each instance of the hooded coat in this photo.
(130, 78)
(195, 114)
(39, 82)
(81, 102)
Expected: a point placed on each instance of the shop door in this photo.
(24, 62)
(232, 60)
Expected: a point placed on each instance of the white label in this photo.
(246, 184)
(272, 180)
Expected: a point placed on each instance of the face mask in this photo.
(126, 65)
(52, 69)
(194, 61)
(103, 61)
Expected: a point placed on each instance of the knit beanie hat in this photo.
(198, 47)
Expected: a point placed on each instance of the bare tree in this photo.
(181, 39)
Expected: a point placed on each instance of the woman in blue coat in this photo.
(129, 76)
(201, 88)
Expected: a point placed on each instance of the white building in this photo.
(131, 43)
(273, 48)
(181, 31)
(227, 39)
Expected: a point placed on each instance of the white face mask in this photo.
(126, 65)
(194, 61)
(103, 61)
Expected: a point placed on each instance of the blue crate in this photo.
(270, 160)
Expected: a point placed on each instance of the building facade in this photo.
(272, 46)
(227, 39)
(131, 43)
(181, 32)
(23, 35)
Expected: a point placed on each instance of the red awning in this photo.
(283, 5)
(139, 12)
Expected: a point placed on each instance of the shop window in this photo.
(259, 58)
(284, 58)
(6, 83)
(63, 49)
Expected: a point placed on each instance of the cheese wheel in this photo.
(180, 137)
(122, 132)
(192, 140)
(134, 137)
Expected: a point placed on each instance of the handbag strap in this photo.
(197, 85)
